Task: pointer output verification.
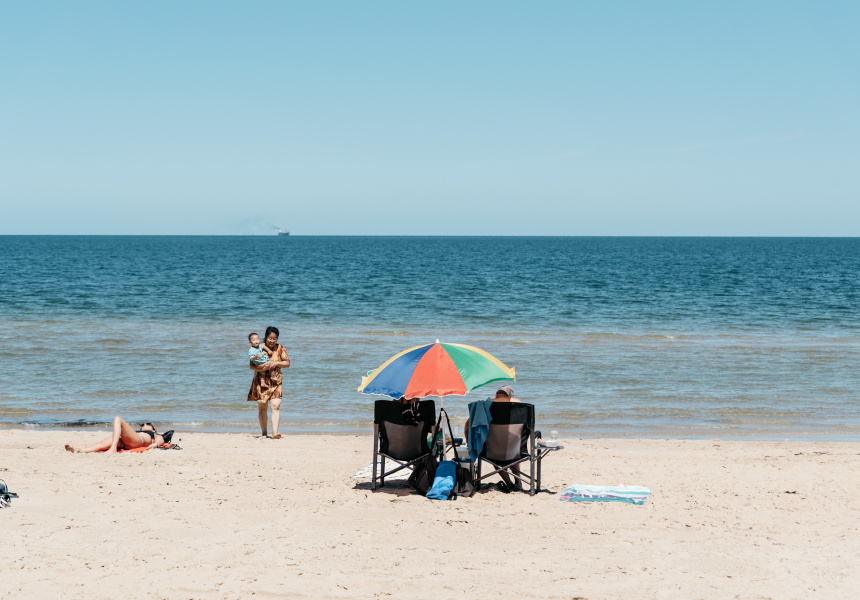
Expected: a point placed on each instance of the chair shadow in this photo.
(394, 488)
(493, 487)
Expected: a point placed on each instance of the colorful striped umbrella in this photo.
(435, 370)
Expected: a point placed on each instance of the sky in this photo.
(446, 118)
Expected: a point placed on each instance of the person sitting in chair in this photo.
(505, 394)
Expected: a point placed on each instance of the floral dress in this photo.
(271, 377)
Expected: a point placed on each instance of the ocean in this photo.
(622, 337)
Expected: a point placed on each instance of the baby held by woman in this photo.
(258, 354)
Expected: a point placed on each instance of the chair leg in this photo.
(375, 456)
(539, 462)
(382, 470)
(532, 490)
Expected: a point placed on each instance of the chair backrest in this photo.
(511, 426)
(400, 436)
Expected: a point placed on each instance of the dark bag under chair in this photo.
(423, 474)
(464, 481)
(465, 485)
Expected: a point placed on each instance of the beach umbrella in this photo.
(435, 370)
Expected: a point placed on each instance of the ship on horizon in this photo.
(283, 231)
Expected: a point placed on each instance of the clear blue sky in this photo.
(555, 118)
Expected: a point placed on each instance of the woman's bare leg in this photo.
(276, 416)
(97, 447)
(121, 431)
(125, 432)
(262, 407)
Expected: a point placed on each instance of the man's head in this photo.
(254, 339)
(505, 391)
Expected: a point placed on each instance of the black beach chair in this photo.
(400, 434)
(511, 442)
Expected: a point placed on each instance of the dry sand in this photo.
(234, 516)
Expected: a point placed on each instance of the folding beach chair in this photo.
(401, 435)
(511, 442)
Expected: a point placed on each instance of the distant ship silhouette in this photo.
(283, 232)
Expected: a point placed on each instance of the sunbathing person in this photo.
(125, 437)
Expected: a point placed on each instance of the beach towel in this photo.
(126, 450)
(479, 427)
(145, 448)
(634, 494)
(367, 473)
(444, 481)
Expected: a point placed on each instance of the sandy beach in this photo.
(235, 516)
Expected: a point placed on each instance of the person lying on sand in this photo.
(124, 437)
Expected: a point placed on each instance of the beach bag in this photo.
(465, 482)
(5, 495)
(423, 474)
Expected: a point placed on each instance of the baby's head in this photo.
(254, 339)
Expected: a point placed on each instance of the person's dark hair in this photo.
(142, 425)
(271, 329)
(252, 333)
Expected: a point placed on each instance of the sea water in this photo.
(686, 337)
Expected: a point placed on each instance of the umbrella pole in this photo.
(441, 429)
(442, 411)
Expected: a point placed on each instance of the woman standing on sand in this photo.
(267, 383)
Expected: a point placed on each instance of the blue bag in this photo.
(446, 473)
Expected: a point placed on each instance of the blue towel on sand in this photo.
(479, 426)
(444, 482)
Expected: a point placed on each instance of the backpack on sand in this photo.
(465, 484)
(423, 474)
(5, 495)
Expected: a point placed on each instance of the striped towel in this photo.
(634, 494)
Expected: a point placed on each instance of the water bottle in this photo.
(179, 443)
